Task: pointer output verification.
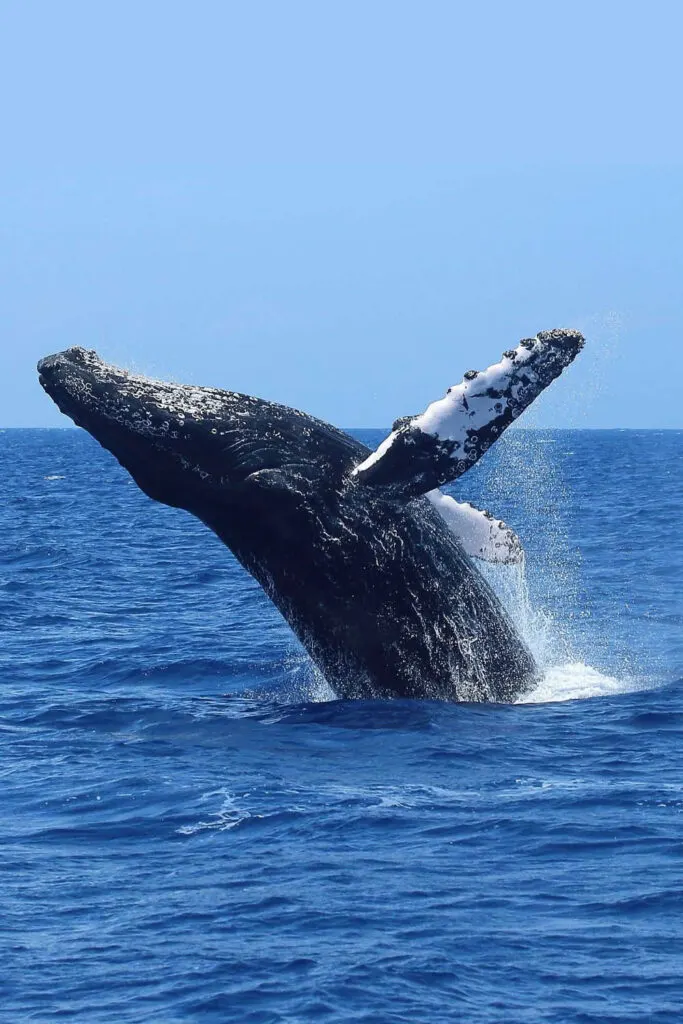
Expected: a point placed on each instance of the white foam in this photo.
(565, 677)
(227, 816)
(575, 681)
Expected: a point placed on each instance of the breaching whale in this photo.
(369, 563)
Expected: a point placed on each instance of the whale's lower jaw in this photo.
(379, 591)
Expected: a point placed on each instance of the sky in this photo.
(343, 206)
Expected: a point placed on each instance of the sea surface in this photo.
(192, 828)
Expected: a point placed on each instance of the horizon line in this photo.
(387, 430)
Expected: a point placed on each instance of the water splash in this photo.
(574, 402)
(565, 676)
(593, 380)
(575, 681)
(304, 682)
(550, 577)
(539, 631)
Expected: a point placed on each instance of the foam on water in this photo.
(575, 681)
(227, 816)
(564, 677)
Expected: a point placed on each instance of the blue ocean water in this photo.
(192, 830)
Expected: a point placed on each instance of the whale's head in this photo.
(198, 448)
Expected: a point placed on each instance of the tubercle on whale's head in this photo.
(182, 444)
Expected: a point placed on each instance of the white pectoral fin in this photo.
(426, 451)
(481, 535)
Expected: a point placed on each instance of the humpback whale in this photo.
(372, 566)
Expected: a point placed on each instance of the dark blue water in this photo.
(191, 830)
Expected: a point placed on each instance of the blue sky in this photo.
(344, 206)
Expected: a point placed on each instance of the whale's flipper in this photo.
(442, 443)
(481, 534)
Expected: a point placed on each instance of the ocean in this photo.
(192, 828)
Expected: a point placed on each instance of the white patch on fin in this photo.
(454, 432)
(481, 535)
(483, 395)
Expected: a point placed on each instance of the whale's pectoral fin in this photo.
(481, 534)
(453, 433)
